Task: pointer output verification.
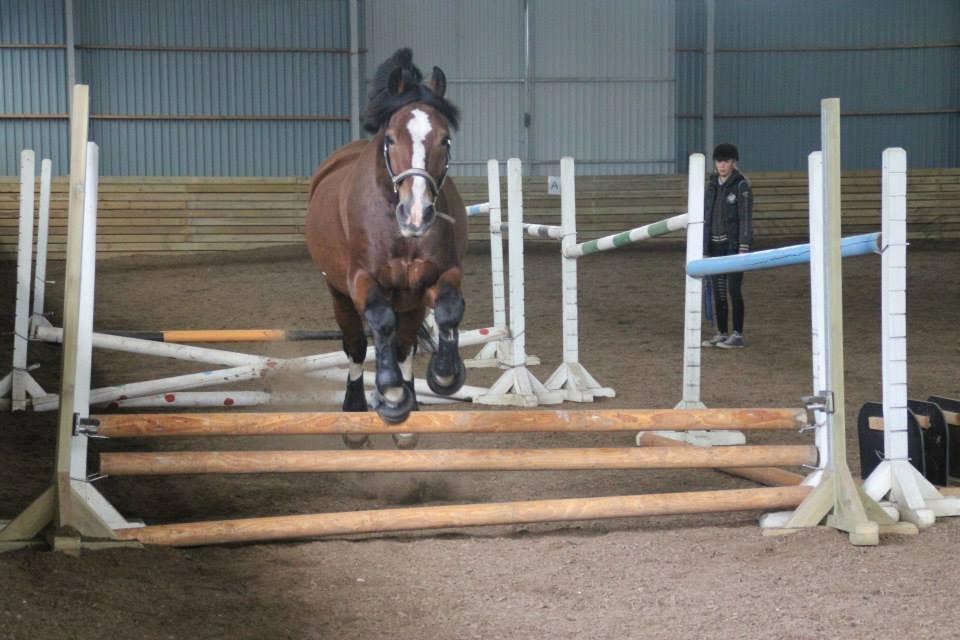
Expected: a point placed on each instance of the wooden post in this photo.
(472, 515)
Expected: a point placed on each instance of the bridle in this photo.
(396, 179)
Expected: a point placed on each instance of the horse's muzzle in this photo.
(413, 225)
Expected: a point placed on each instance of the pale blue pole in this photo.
(860, 245)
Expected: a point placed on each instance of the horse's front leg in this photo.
(446, 373)
(395, 402)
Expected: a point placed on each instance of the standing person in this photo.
(727, 230)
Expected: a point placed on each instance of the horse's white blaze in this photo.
(419, 127)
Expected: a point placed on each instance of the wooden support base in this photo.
(455, 516)
(151, 425)
(192, 462)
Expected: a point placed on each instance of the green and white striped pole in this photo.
(617, 240)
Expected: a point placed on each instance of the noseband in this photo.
(398, 178)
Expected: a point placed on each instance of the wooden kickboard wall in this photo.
(169, 215)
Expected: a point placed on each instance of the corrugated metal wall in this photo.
(600, 81)
(603, 85)
(32, 82)
(251, 87)
(894, 66)
(218, 88)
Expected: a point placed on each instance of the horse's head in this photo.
(416, 152)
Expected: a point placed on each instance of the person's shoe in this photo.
(735, 341)
(715, 340)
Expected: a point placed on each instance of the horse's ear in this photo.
(438, 82)
(395, 84)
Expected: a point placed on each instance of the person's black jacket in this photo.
(736, 209)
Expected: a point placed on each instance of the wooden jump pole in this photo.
(770, 475)
(193, 462)
(147, 425)
(473, 515)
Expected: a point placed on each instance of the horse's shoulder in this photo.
(337, 160)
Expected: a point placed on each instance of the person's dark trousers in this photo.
(727, 291)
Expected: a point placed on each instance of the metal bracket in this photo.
(85, 426)
(823, 401)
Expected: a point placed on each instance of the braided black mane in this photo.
(383, 104)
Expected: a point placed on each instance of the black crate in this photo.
(951, 409)
(928, 448)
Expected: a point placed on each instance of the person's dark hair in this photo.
(725, 151)
(384, 100)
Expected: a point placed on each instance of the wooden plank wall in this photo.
(168, 215)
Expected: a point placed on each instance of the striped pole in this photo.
(478, 209)
(538, 230)
(606, 243)
(860, 245)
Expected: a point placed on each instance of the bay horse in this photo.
(388, 230)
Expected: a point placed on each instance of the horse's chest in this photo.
(408, 273)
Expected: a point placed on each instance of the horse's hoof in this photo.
(459, 377)
(406, 440)
(395, 413)
(356, 440)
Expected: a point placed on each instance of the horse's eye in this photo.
(389, 140)
(446, 141)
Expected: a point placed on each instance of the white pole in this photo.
(43, 231)
(84, 361)
(238, 399)
(518, 355)
(568, 266)
(176, 351)
(493, 354)
(818, 337)
(21, 326)
(496, 245)
(894, 304)
(517, 386)
(693, 288)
